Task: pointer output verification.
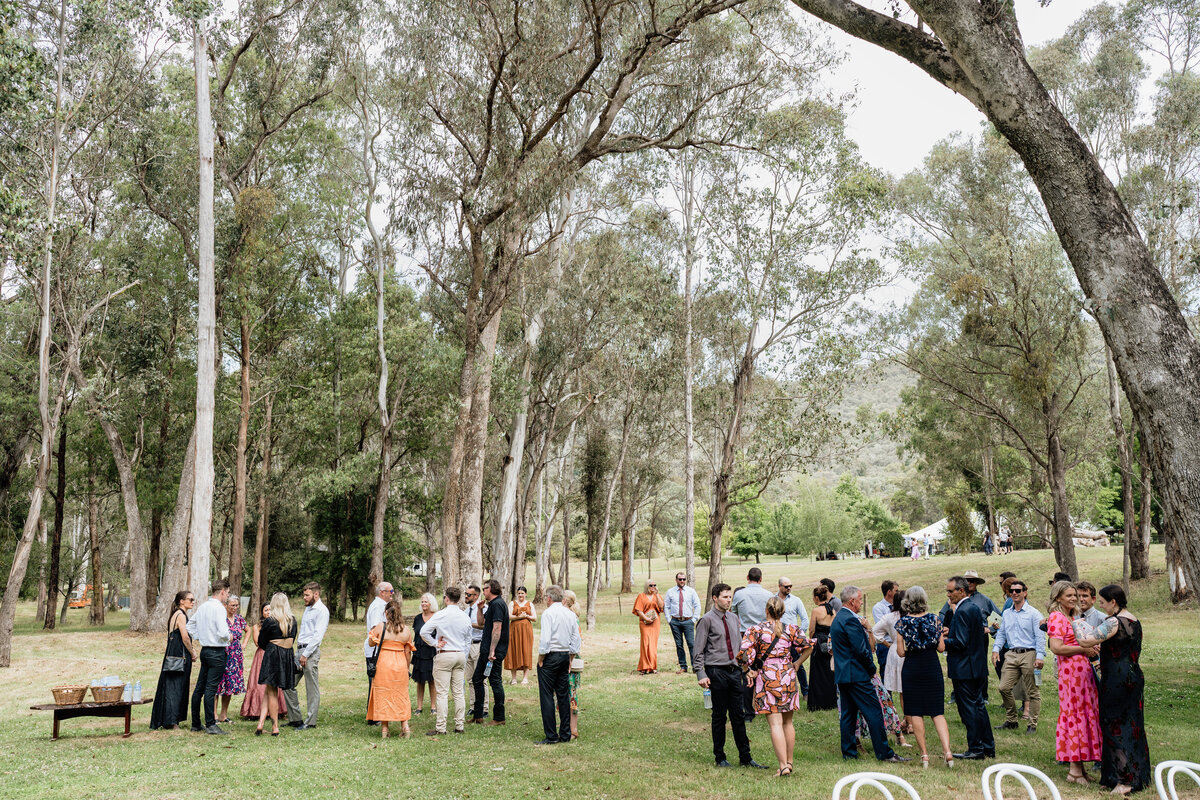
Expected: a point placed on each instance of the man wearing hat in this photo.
(975, 597)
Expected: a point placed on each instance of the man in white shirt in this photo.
(384, 594)
(449, 631)
(210, 627)
(558, 642)
(313, 625)
(683, 612)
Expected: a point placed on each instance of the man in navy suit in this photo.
(853, 668)
(967, 666)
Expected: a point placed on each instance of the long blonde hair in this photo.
(281, 612)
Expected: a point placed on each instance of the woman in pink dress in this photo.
(1077, 738)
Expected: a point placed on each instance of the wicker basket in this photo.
(69, 695)
(108, 694)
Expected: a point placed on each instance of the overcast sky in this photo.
(902, 112)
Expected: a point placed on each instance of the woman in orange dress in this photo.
(648, 608)
(389, 701)
(520, 637)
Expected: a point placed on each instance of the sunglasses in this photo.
(654, 586)
(1016, 591)
(785, 586)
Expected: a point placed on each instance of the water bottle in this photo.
(137, 692)
(1037, 677)
(708, 698)
(127, 695)
(487, 670)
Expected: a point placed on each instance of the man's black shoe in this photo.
(1008, 726)
(754, 765)
(1031, 729)
(305, 727)
(197, 729)
(215, 731)
(296, 724)
(971, 756)
(548, 741)
(895, 759)
(724, 763)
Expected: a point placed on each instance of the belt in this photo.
(302, 645)
(722, 666)
(1020, 649)
(448, 651)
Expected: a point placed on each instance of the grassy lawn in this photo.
(641, 737)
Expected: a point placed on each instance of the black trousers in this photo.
(496, 680)
(726, 688)
(860, 698)
(212, 667)
(969, 696)
(553, 674)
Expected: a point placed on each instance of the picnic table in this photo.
(120, 708)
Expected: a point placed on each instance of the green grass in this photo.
(641, 737)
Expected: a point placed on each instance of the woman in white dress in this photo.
(886, 627)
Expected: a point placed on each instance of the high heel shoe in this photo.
(924, 762)
(258, 731)
(949, 760)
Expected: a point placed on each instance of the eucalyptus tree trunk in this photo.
(237, 547)
(728, 455)
(133, 522)
(594, 565)
(545, 568)
(689, 427)
(174, 575)
(49, 418)
(206, 330)
(470, 544)
(60, 502)
(1131, 567)
(96, 556)
(258, 592)
(976, 50)
(1056, 476)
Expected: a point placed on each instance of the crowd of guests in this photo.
(456, 653)
(884, 676)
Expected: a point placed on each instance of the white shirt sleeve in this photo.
(320, 625)
(429, 630)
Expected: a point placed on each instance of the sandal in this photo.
(924, 762)
(783, 773)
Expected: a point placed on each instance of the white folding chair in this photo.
(993, 775)
(876, 780)
(1173, 768)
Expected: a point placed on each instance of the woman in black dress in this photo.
(171, 697)
(276, 637)
(422, 665)
(1125, 757)
(919, 639)
(822, 692)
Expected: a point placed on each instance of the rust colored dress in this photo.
(520, 639)
(648, 656)
(389, 700)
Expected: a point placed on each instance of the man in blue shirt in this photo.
(1026, 651)
(683, 610)
(878, 612)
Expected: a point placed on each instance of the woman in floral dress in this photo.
(776, 688)
(1077, 736)
(233, 681)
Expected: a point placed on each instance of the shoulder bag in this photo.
(757, 663)
(374, 659)
(173, 663)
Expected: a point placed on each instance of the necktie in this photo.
(728, 642)
(681, 602)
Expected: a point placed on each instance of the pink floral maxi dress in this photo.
(1077, 737)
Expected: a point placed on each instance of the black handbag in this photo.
(757, 663)
(374, 659)
(173, 663)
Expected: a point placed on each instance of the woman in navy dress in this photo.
(919, 640)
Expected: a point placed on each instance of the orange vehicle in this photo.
(80, 598)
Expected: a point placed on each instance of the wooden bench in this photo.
(73, 710)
